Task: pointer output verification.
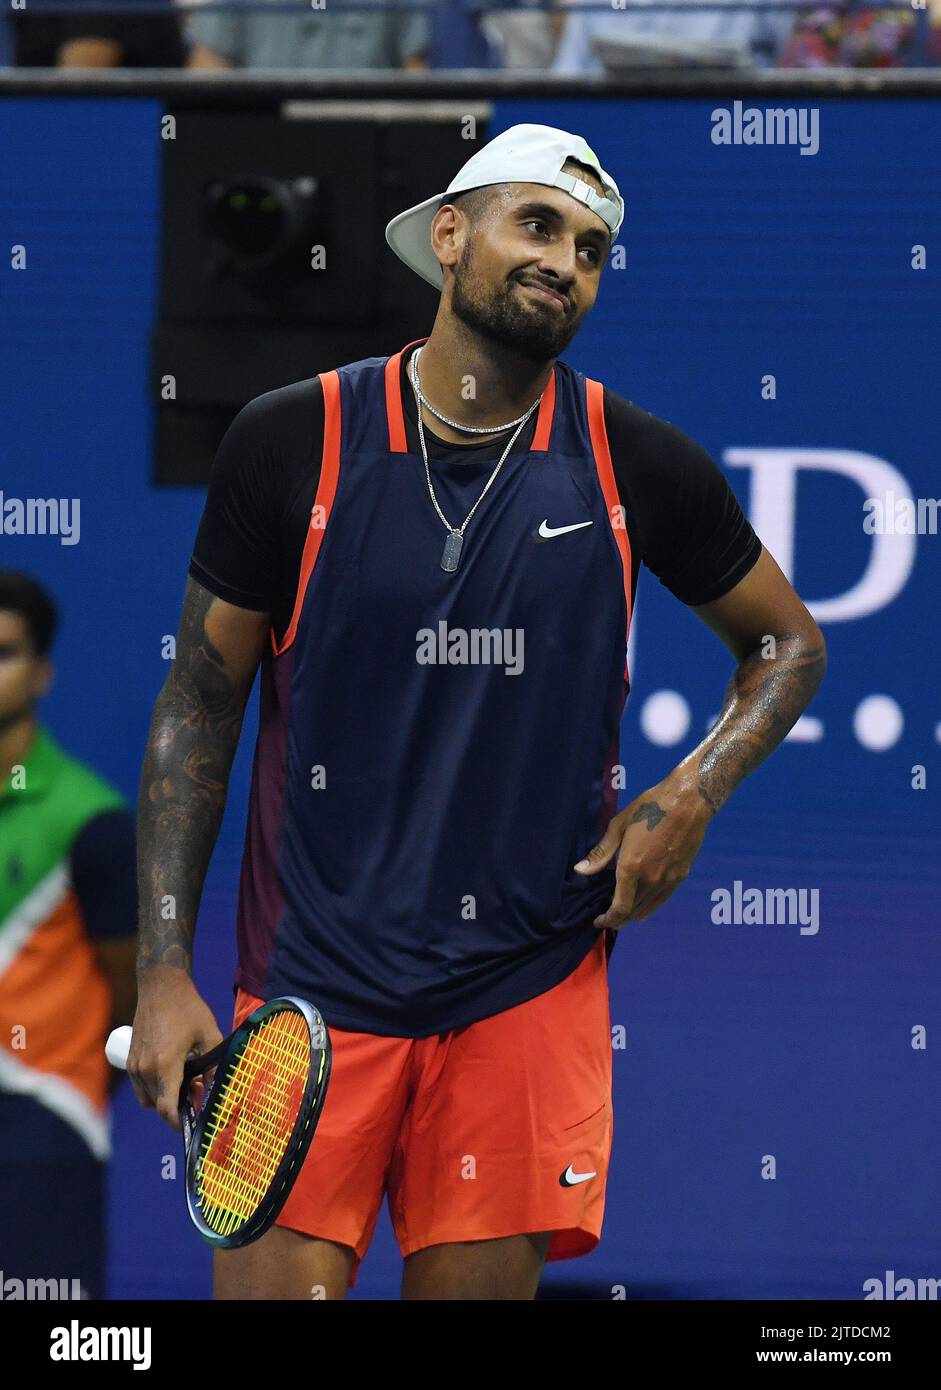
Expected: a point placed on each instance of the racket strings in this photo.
(253, 1120)
(247, 1138)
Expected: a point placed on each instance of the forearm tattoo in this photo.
(193, 737)
(764, 699)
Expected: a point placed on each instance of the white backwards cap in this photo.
(522, 154)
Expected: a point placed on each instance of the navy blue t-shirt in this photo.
(434, 749)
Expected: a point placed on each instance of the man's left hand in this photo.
(656, 839)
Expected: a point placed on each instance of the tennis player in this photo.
(433, 556)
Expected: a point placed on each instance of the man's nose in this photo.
(561, 262)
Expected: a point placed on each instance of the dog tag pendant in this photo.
(451, 555)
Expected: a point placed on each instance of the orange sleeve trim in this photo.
(398, 444)
(326, 491)
(544, 417)
(394, 405)
(615, 508)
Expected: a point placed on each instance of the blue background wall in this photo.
(741, 1040)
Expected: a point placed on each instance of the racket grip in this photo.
(118, 1046)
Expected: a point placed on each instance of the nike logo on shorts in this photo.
(570, 1178)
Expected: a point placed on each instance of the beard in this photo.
(531, 329)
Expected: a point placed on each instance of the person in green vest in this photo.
(67, 948)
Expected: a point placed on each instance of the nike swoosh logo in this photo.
(570, 1178)
(548, 533)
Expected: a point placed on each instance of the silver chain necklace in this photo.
(456, 424)
(451, 555)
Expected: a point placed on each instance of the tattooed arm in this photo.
(782, 660)
(193, 737)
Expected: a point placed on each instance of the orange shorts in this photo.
(497, 1129)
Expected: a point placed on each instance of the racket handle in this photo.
(118, 1046)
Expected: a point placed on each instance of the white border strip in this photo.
(59, 1096)
(16, 929)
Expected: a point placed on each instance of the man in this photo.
(67, 950)
(432, 856)
(317, 41)
(756, 33)
(117, 39)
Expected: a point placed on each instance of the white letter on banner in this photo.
(772, 513)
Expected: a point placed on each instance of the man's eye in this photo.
(535, 222)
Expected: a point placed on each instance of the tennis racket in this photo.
(245, 1142)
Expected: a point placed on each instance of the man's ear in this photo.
(448, 232)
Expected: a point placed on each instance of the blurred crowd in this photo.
(577, 38)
